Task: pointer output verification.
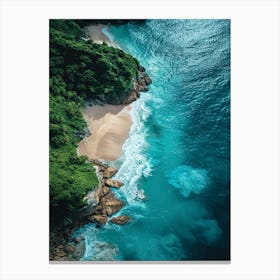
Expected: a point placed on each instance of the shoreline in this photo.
(102, 207)
(109, 127)
(98, 36)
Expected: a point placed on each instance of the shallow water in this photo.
(178, 152)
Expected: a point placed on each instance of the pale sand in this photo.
(109, 126)
(96, 34)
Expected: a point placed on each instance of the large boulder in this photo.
(101, 219)
(142, 81)
(120, 220)
(69, 249)
(111, 204)
(109, 172)
(134, 94)
(104, 191)
(148, 80)
(60, 254)
(143, 88)
(113, 183)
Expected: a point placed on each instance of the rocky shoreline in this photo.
(101, 205)
(101, 202)
(139, 85)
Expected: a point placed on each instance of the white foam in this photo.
(188, 179)
(135, 164)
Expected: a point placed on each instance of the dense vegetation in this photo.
(79, 70)
(91, 70)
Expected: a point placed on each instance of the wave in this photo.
(95, 248)
(134, 163)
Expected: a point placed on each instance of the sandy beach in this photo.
(109, 126)
(96, 34)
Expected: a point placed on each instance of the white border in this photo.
(255, 138)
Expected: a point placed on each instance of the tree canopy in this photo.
(79, 70)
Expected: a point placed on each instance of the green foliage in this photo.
(87, 67)
(70, 176)
(70, 179)
(79, 70)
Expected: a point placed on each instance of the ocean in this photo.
(176, 162)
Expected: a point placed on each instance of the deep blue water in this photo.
(178, 152)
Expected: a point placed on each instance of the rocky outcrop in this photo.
(113, 183)
(107, 205)
(109, 172)
(101, 204)
(111, 204)
(71, 251)
(120, 220)
(148, 80)
(101, 219)
(106, 202)
(138, 84)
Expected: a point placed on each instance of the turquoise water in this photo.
(176, 162)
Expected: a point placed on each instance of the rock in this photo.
(138, 92)
(113, 183)
(91, 219)
(105, 190)
(99, 211)
(120, 220)
(98, 208)
(61, 254)
(143, 88)
(69, 249)
(101, 168)
(78, 239)
(142, 69)
(101, 219)
(79, 250)
(148, 80)
(109, 172)
(111, 204)
(142, 81)
(134, 94)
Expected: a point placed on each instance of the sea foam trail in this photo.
(134, 162)
(133, 165)
(188, 179)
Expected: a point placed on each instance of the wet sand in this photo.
(96, 34)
